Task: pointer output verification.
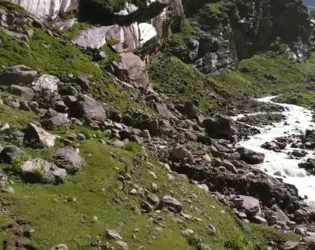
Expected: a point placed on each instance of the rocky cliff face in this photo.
(224, 32)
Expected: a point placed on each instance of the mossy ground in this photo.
(47, 54)
(64, 213)
(182, 82)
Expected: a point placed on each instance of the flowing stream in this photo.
(297, 120)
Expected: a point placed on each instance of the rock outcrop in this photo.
(225, 32)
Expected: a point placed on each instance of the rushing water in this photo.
(298, 119)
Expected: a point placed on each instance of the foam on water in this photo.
(298, 119)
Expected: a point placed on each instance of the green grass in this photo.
(181, 82)
(17, 119)
(75, 30)
(186, 32)
(46, 54)
(289, 77)
(65, 213)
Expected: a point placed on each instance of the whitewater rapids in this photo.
(298, 119)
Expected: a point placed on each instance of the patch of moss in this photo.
(46, 53)
(186, 32)
(133, 147)
(182, 82)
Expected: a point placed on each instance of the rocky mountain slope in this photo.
(116, 131)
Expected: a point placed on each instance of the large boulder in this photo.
(179, 153)
(190, 110)
(89, 109)
(39, 170)
(9, 153)
(56, 121)
(310, 240)
(163, 110)
(250, 156)
(220, 127)
(36, 136)
(18, 74)
(68, 159)
(25, 92)
(172, 203)
(131, 68)
(46, 83)
(249, 204)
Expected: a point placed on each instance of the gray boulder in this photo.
(163, 110)
(220, 127)
(47, 83)
(39, 170)
(190, 110)
(310, 241)
(9, 153)
(250, 156)
(172, 204)
(131, 68)
(56, 121)
(249, 204)
(68, 159)
(36, 136)
(18, 74)
(90, 109)
(25, 92)
(179, 152)
(290, 245)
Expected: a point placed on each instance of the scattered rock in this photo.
(164, 111)
(18, 74)
(90, 109)
(220, 127)
(187, 232)
(9, 153)
(56, 121)
(68, 159)
(250, 156)
(47, 83)
(122, 245)
(179, 152)
(310, 241)
(112, 234)
(39, 170)
(35, 136)
(290, 245)
(212, 229)
(25, 92)
(250, 204)
(60, 247)
(172, 203)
